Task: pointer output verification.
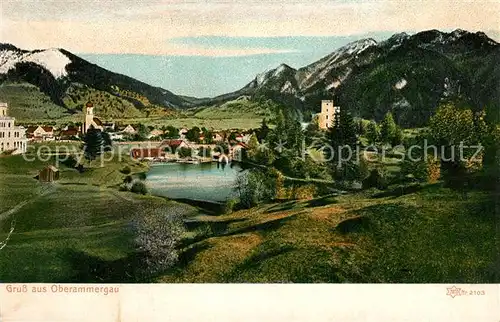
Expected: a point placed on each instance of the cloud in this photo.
(154, 27)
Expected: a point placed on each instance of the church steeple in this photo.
(89, 116)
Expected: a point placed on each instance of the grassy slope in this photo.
(29, 105)
(72, 230)
(26, 102)
(431, 235)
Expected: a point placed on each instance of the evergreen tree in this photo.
(372, 133)
(397, 138)
(253, 147)
(108, 143)
(387, 129)
(343, 135)
(343, 132)
(93, 144)
(263, 131)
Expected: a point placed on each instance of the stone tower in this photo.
(327, 115)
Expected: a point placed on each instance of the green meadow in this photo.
(78, 229)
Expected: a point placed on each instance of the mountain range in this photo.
(406, 74)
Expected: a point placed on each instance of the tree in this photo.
(142, 133)
(232, 136)
(343, 132)
(372, 133)
(253, 147)
(158, 232)
(93, 145)
(397, 138)
(387, 128)
(193, 134)
(208, 136)
(108, 143)
(343, 135)
(170, 132)
(263, 131)
(312, 131)
(452, 126)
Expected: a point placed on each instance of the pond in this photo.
(206, 181)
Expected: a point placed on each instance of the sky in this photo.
(206, 48)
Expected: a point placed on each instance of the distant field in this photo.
(235, 114)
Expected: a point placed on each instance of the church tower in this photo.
(89, 116)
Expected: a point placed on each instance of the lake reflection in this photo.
(207, 181)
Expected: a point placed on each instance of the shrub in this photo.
(142, 176)
(256, 186)
(158, 232)
(126, 170)
(376, 179)
(306, 192)
(230, 205)
(139, 187)
(128, 179)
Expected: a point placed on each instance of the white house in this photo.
(40, 133)
(12, 138)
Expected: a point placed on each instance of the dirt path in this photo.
(13, 210)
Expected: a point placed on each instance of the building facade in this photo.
(327, 115)
(12, 138)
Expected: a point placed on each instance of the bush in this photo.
(142, 176)
(230, 205)
(256, 186)
(422, 170)
(306, 192)
(139, 187)
(126, 170)
(128, 179)
(376, 179)
(158, 232)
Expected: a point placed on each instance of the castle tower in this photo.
(3, 109)
(89, 116)
(327, 115)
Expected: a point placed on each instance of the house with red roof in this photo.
(147, 153)
(172, 145)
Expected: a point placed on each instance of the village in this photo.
(145, 143)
